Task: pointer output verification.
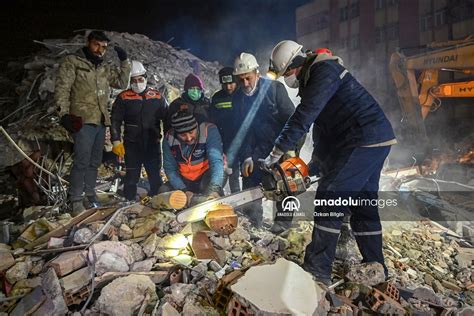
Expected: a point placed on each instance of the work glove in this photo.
(118, 149)
(273, 157)
(121, 53)
(71, 123)
(247, 167)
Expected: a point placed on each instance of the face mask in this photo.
(292, 81)
(194, 94)
(138, 87)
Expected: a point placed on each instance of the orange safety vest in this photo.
(194, 166)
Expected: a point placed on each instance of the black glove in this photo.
(71, 123)
(122, 55)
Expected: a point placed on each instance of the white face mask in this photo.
(138, 87)
(292, 81)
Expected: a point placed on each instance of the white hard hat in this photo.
(244, 63)
(137, 69)
(283, 54)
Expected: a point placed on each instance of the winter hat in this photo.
(226, 76)
(193, 81)
(183, 121)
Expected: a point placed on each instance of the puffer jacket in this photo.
(82, 89)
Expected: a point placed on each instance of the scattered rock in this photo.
(18, 272)
(149, 245)
(83, 236)
(371, 273)
(125, 295)
(143, 266)
(110, 262)
(125, 232)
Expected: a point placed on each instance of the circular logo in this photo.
(291, 204)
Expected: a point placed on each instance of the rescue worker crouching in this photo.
(192, 157)
(140, 109)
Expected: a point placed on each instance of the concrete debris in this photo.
(54, 304)
(83, 236)
(293, 289)
(149, 245)
(143, 266)
(116, 247)
(124, 296)
(110, 262)
(367, 273)
(18, 272)
(178, 292)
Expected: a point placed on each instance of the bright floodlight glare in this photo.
(243, 130)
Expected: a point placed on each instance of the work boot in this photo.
(92, 201)
(279, 227)
(77, 207)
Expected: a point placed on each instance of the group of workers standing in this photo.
(207, 143)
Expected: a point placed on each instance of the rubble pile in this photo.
(129, 259)
(27, 107)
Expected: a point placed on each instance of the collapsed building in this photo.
(124, 259)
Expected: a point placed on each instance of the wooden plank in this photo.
(63, 230)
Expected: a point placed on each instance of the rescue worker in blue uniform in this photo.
(192, 156)
(140, 109)
(352, 138)
(263, 107)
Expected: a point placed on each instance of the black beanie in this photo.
(183, 121)
(226, 76)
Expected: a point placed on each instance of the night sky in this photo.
(211, 29)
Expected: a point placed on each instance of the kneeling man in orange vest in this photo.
(193, 157)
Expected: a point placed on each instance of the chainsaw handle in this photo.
(261, 165)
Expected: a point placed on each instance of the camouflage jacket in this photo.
(83, 89)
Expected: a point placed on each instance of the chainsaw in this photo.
(289, 178)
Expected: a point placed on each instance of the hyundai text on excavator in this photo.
(419, 87)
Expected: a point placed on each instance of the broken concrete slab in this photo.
(125, 295)
(293, 289)
(125, 232)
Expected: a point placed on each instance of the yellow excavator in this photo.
(417, 80)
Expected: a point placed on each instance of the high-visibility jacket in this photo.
(193, 166)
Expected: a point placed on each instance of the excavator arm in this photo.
(419, 95)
